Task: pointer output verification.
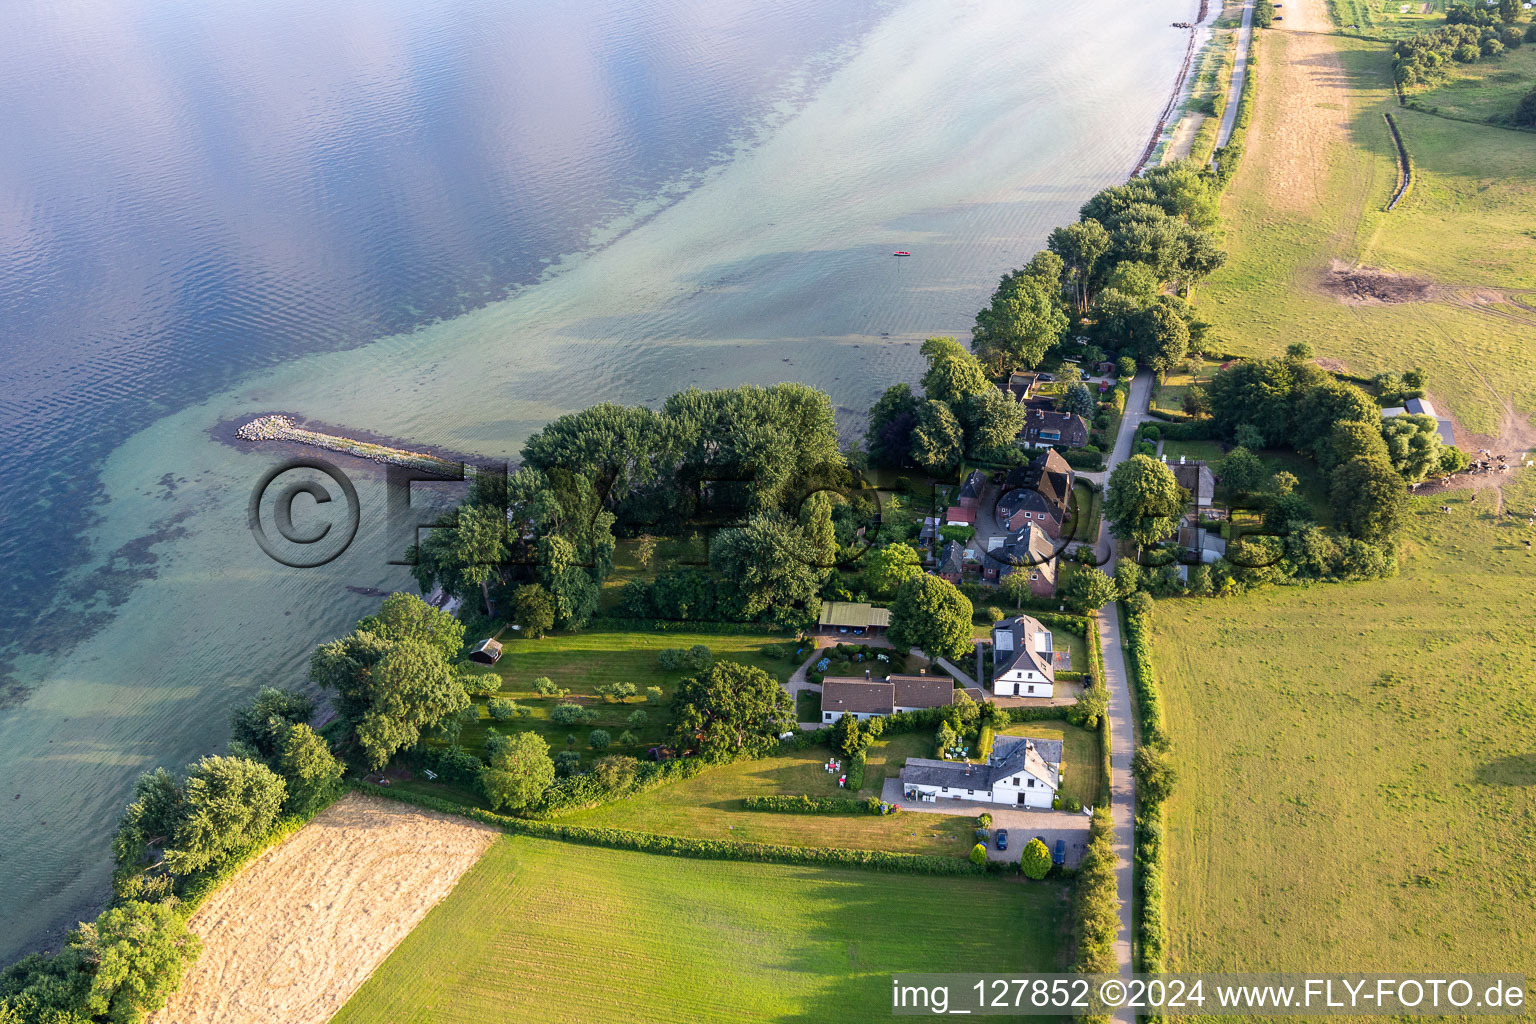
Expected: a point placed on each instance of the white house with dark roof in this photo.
(872, 698)
(1023, 772)
(1023, 662)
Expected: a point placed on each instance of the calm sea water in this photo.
(447, 222)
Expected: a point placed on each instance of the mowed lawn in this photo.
(709, 806)
(1357, 762)
(540, 931)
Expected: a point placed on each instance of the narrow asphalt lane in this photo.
(1122, 722)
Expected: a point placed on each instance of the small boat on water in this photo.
(901, 254)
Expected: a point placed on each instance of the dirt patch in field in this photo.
(1360, 286)
(292, 936)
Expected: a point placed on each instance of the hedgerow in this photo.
(702, 849)
(817, 805)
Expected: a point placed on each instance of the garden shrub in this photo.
(1035, 861)
(978, 855)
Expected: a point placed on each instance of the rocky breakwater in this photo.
(282, 428)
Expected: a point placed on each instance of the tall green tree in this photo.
(1413, 446)
(931, 614)
(311, 773)
(938, 440)
(533, 609)
(1081, 246)
(991, 421)
(403, 616)
(1144, 501)
(891, 420)
(771, 565)
(1369, 499)
(140, 953)
(262, 724)
(464, 553)
(1087, 589)
(227, 804)
(729, 709)
(1019, 325)
(953, 373)
(886, 568)
(518, 769)
(1241, 472)
(387, 691)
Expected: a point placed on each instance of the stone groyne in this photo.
(282, 428)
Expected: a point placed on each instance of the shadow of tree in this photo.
(1513, 770)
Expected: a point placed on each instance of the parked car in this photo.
(1060, 856)
(1002, 839)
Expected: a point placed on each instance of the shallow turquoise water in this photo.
(449, 223)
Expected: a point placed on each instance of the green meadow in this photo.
(1357, 769)
(1466, 229)
(543, 931)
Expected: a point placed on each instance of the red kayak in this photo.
(901, 254)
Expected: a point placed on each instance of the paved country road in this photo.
(1122, 723)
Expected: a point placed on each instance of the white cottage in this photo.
(1023, 662)
(1023, 772)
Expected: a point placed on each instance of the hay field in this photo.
(292, 936)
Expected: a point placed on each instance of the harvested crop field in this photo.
(293, 935)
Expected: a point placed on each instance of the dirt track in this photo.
(290, 938)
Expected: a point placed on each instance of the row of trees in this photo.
(177, 828)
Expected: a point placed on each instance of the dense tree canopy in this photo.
(140, 951)
(938, 440)
(226, 804)
(1369, 498)
(518, 769)
(310, 772)
(772, 563)
(891, 421)
(392, 682)
(1413, 446)
(931, 614)
(261, 725)
(887, 568)
(1144, 501)
(730, 708)
(1022, 322)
